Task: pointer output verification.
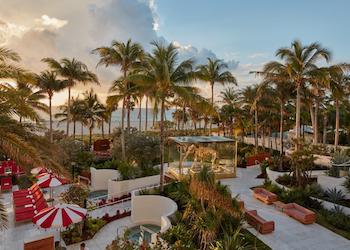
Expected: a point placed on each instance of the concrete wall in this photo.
(116, 188)
(152, 209)
(100, 177)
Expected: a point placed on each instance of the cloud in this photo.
(201, 55)
(46, 22)
(156, 20)
(257, 55)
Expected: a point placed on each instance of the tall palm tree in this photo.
(7, 68)
(166, 78)
(339, 87)
(249, 97)
(74, 72)
(213, 72)
(93, 111)
(299, 62)
(128, 56)
(48, 82)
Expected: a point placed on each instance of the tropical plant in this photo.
(334, 195)
(74, 72)
(213, 72)
(48, 83)
(126, 55)
(299, 63)
(166, 78)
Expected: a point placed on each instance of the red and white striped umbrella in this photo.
(40, 170)
(49, 180)
(59, 216)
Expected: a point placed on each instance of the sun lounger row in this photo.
(27, 203)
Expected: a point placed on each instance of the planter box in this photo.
(256, 159)
(117, 188)
(328, 182)
(330, 205)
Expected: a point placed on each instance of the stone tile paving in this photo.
(289, 234)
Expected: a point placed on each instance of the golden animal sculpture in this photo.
(200, 154)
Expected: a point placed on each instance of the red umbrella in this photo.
(40, 170)
(49, 180)
(59, 216)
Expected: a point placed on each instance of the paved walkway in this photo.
(289, 234)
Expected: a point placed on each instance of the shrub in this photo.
(336, 218)
(334, 195)
(76, 194)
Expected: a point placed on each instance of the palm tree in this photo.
(166, 78)
(93, 111)
(249, 98)
(74, 72)
(212, 73)
(47, 81)
(339, 86)
(299, 63)
(126, 55)
(7, 68)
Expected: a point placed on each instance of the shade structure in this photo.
(49, 180)
(59, 216)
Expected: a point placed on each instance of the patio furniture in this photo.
(265, 196)
(260, 224)
(6, 183)
(24, 192)
(299, 213)
(42, 243)
(279, 205)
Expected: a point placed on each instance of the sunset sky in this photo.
(243, 33)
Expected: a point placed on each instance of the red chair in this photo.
(2, 170)
(25, 192)
(6, 183)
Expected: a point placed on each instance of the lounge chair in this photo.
(260, 224)
(299, 213)
(6, 183)
(265, 196)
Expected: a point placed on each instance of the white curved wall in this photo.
(117, 188)
(152, 209)
(100, 177)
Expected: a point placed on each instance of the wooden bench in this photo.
(299, 213)
(265, 196)
(259, 223)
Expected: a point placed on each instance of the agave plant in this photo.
(340, 158)
(334, 195)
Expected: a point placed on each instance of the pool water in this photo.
(147, 230)
(98, 193)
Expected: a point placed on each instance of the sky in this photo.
(245, 34)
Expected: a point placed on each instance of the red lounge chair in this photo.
(299, 213)
(265, 196)
(30, 199)
(22, 193)
(260, 224)
(6, 183)
(2, 170)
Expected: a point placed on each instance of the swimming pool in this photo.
(146, 230)
(98, 193)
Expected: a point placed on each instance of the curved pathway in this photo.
(289, 234)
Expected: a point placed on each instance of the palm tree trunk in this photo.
(109, 125)
(68, 111)
(263, 137)
(325, 121)
(256, 129)
(312, 115)
(183, 116)
(212, 104)
(161, 125)
(316, 121)
(297, 118)
(50, 113)
(128, 114)
(74, 122)
(281, 134)
(140, 114)
(146, 115)
(103, 129)
(337, 118)
(122, 135)
(90, 136)
(82, 131)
